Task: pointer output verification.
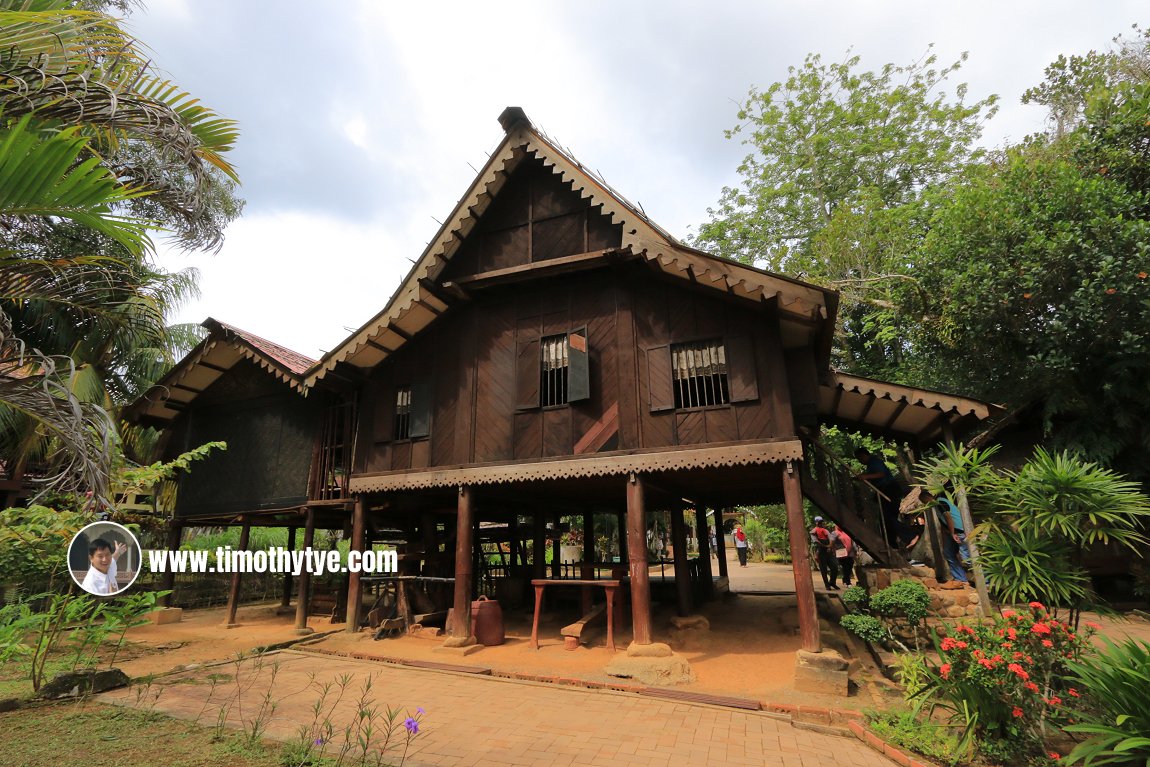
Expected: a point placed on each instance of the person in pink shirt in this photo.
(845, 554)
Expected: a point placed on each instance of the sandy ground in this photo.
(747, 652)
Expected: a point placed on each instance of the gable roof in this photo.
(224, 347)
(420, 298)
(896, 411)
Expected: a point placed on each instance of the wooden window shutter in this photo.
(420, 413)
(578, 366)
(527, 364)
(384, 414)
(743, 383)
(659, 387)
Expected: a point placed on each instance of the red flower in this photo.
(1054, 755)
(1038, 605)
(1032, 686)
(1093, 625)
(1047, 643)
(1018, 671)
(986, 662)
(1073, 693)
(949, 644)
(1019, 656)
(1007, 645)
(1008, 613)
(944, 669)
(1054, 700)
(1040, 628)
(1012, 634)
(1017, 712)
(964, 630)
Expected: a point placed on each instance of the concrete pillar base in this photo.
(654, 670)
(821, 672)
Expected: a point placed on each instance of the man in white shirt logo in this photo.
(101, 577)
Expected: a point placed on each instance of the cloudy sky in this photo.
(364, 122)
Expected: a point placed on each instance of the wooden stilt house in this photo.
(552, 353)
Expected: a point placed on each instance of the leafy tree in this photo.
(833, 138)
(1038, 262)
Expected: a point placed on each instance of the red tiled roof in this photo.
(291, 361)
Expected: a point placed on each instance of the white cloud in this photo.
(299, 279)
(362, 129)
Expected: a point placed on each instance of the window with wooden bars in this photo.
(402, 428)
(699, 374)
(553, 370)
(413, 411)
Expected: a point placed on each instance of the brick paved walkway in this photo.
(474, 720)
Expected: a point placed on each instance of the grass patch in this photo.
(95, 735)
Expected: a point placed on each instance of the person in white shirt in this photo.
(101, 577)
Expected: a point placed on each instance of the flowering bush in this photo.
(1006, 683)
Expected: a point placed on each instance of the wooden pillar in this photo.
(427, 531)
(464, 537)
(984, 604)
(285, 597)
(354, 587)
(539, 546)
(621, 526)
(168, 581)
(303, 598)
(556, 565)
(234, 593)
(682, 567)
(588, 569)
(637, 555)
(704, 539)
(720, 544)
(801, 559)
(938, 556)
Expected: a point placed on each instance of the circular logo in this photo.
(104, 558)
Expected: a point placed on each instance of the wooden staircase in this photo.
(853, 506)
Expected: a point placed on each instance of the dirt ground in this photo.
(749, 650)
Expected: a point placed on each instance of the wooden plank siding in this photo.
(482, 363)
(481, 359)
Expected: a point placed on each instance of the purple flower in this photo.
(420, 711)
(411, 725)
(320, 741)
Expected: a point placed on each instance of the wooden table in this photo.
(609, 585)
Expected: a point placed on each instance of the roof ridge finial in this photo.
(511, 117)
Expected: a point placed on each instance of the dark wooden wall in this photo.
(270, 430)
(535, 217)
(472, 360)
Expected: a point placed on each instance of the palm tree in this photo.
(95, 150)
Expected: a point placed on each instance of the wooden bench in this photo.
(573, 633)
(609, 586)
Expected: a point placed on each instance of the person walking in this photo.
(823, 541)
(954, 539)
(879, 475)
(740, 545)
(845, 554)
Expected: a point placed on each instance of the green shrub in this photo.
(1006, 684)
(907, 599)
(1116, 681)
(904, 729)
(855, 598)
(866, 627)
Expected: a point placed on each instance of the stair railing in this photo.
(859, 496)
